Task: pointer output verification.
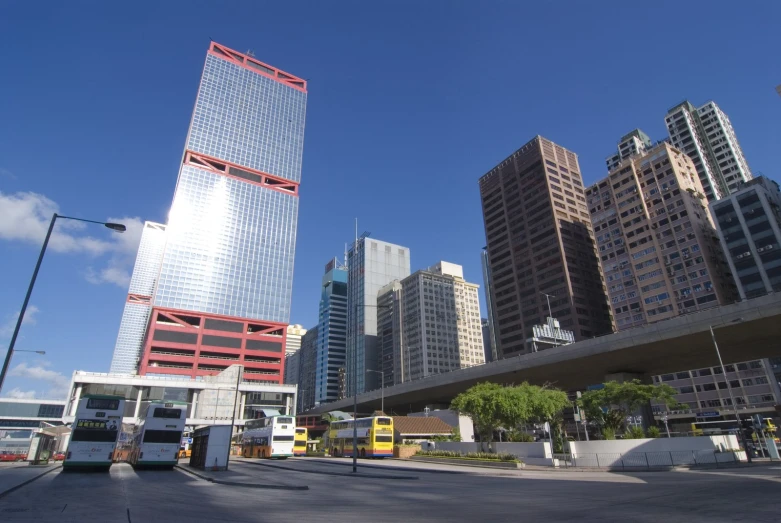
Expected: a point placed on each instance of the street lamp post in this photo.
(355, 382)
(729, 389)
(667, 427)
(382, 389)
(113, 226)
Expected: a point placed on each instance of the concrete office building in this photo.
(707, 136)
(749, 224)
(491, 340)
(222, 290)
(540, 240)
(371, 265)
(435, 321)
(135, 318)
(485, 326)
(307, 369)
(21, 419)
(658, 247)
(332, 332)
(292, 368)
(631, 144)
(389, 333)
(293, 338)
(753, 384)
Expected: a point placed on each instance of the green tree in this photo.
(491, 406)
(487, 404)
(653, 432)
(610, 405)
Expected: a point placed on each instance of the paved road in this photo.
(124, 495)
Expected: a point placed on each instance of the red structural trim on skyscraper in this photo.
(190, 353)
(269, 181)
(243, 60)
(139, 299)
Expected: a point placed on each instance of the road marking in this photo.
(733, 475)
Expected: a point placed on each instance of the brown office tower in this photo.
(540, 241)
(658, 246)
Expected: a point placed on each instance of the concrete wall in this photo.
(623, 446)
(525, 450)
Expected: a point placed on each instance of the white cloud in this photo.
(20, 394)
(59, 383)
(30, 318)
(25, 217)
(7, 174)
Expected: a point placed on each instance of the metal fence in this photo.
(648, 460)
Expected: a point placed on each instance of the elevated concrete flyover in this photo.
(745, 330)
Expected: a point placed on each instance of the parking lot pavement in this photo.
(15, 474)
(173, 496)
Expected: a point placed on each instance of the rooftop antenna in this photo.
(250, 52)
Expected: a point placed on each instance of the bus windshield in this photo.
(98, 435)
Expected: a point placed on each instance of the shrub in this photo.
(517, 436)
(608, 433)
(653, 432)
(468, 455)
(634, 433)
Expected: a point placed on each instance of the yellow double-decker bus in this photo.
(299, 444)
(375, 437)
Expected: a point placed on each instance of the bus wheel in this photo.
(363, 453)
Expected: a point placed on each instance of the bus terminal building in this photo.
(210, 399)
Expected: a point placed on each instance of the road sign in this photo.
(709, 414)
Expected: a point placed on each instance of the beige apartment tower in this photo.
(540, 240)
(429, 323)
(659, 250)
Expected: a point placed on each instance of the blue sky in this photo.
(409, 104)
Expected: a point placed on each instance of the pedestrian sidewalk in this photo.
(16, 476)
(238, 475)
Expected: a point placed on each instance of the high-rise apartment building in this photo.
(707, 136)
(659, 250)
(490, 341)
(435, 323)
(753, 384)
(307, 370)
(138, 307)
(540, 240)
(223, 290)
(293, 338)
(371, 265)
(749, 224)
(631, 144)
(332, 332)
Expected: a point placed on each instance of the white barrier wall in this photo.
(525, 450)
(623, 446)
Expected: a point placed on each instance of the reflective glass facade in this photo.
(332, 333)
(135, 317)
(372, 265)
(230, 248)
(230, 240)
(248, 119)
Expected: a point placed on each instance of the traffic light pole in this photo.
(741, 434)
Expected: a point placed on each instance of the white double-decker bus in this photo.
(157, 438)
(95, 431)
(271, 437)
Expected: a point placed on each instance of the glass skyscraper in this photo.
(372, 264)
(332, 333)
(224, 283)
(138, 305)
